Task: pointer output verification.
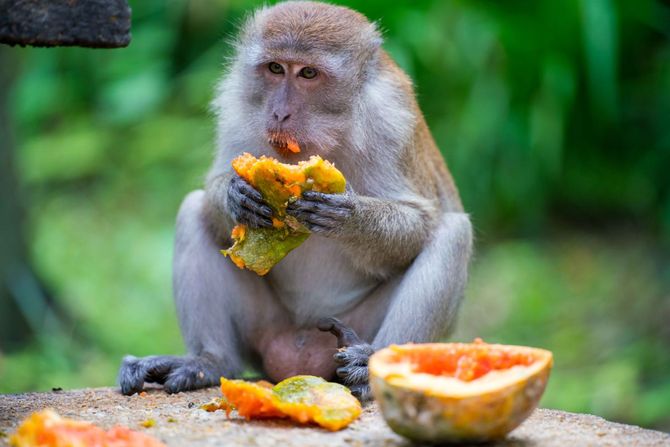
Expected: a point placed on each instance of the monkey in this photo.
(386, 261)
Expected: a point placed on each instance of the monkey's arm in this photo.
(422, 305)
(384, 234)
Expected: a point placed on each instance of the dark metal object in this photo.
(50, 23)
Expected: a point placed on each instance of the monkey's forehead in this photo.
(310, 28)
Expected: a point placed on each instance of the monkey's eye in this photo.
(275, 68)
(308, 73)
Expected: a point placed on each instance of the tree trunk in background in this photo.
(14, 328)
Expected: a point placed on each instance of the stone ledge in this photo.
(191, 426)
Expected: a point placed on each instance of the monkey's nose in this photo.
(280, 117)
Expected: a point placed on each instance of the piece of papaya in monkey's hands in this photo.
(259, 249)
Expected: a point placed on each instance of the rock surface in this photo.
(179, 422)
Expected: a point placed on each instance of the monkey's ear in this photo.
(376, 36)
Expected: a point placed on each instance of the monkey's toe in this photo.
(189, 377)
(357, 355)
(131, 375)
(353, 375)
(362, 392)
(353, 369)
(134, 371)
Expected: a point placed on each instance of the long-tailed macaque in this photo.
(387, 261)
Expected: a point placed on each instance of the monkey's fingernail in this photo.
(342, 372)
(340, 357)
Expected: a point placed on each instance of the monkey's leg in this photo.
(421, 307)
(213, 298)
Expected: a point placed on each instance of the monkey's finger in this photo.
(345, 335)
(245, 216)
(322, 209)
(256, 207)
(246, 196)
(302, 205)
(246, 189)
(252, 219)
(340, 200)
(316, 219)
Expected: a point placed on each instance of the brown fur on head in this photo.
(316, 27)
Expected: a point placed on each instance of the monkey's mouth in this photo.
(283, 142)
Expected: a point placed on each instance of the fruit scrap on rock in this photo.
(259, 249)
(251, 400)
(304, 399)
(47, 429)
(148, 423)
(312, 399)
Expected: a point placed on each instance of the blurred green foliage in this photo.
(553, 116)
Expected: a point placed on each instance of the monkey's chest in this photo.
(318, 280)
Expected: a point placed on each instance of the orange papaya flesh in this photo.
(250, 399)
(47, 429)
(304, 399)
(259, 249)
(462, 361)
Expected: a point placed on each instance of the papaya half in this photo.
(458, 392)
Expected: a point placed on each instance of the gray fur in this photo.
(387, 252)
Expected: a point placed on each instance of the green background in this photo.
(553, 116)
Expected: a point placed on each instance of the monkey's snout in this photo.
(281, 117)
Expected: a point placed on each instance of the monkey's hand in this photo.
(351, 357)
(322, 213)
(246, 205)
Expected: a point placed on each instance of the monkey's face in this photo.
(300, 102)
(302, 67)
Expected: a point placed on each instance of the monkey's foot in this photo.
(351, 358)
(174, 373)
